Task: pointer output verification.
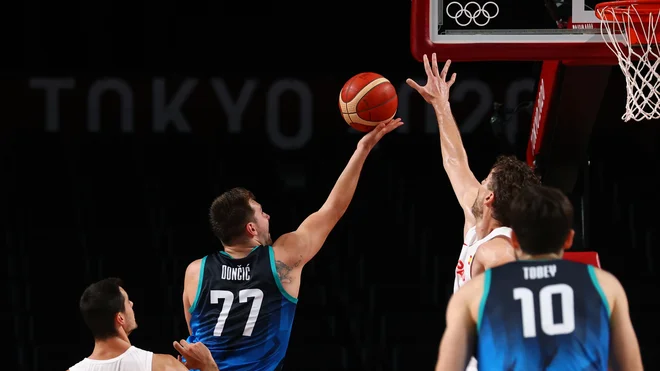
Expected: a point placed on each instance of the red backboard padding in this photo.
(585, 257)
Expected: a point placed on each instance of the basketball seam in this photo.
(348, 116)
(348, 88)
(365, 94)
(380, 105)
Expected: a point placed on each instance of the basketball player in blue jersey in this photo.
(240, 302)
(540, 312)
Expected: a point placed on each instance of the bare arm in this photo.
(297, 248)
(624, 348)
(454, 157)
(190, 283)
(165, 362)
(458, 338)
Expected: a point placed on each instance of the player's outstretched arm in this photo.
(454, 157)
(624, 347)
(458, 338)
(297, 248)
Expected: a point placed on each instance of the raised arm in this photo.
(295, 249)
(454, 157)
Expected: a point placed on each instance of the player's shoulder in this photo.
(498, 242)
(607, 281)
(474, 287)
(166, 362)
(194, 267)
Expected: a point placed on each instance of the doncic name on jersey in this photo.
(238, 273)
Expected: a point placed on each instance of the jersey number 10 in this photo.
(546, 310)
(228, 299)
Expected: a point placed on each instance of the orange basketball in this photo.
(366, 100)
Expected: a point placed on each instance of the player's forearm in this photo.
(451, 145)
(342, 193)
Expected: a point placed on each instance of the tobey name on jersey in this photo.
(239, 273)
(539, 272)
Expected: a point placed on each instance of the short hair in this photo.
(229, 214)
(508, 177)
(541, 218)
(99, 304)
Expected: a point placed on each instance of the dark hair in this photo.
(99, 304)
(230, 213)
(541, 218)
(508, 177)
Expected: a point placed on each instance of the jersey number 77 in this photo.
(228, 300)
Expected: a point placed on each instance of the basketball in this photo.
(366, 100)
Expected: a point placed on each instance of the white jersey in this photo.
(464, 266)
(133, 359)
(470, 246)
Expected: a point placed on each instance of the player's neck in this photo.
(110, 348)
(539, 257)
(486, 225)
(240, 251)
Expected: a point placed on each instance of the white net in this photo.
(639, 62)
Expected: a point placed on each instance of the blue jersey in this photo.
(543, 315)
(241, 312)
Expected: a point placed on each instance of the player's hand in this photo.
(437, 87)
(197, 355)
(370, 139)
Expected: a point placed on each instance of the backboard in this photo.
(509, 30)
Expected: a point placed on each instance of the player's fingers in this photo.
(392, 125)
(434, 65)
(445, 69)
(179, 348)
(414, 85)
(427, 67)
(452, 80)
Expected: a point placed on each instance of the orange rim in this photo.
(644, 9)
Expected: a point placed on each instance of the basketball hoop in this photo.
(630, 30)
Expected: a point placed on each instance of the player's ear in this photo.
(514, 240)
(490, 198)
(569, 240)
(251, 229)
(119, 317)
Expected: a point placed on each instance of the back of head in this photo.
(230, 213)
(542, 219)
(99, 304)
(508, 177)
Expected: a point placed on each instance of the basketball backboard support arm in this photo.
(568, 101)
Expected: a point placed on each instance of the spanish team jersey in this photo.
(543, 315)
(241, 311)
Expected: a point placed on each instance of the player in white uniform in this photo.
(469, 250)
(108, 313)
(485, 204)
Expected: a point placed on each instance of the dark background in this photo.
(80, 206)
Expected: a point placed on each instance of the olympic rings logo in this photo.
(473, 12)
